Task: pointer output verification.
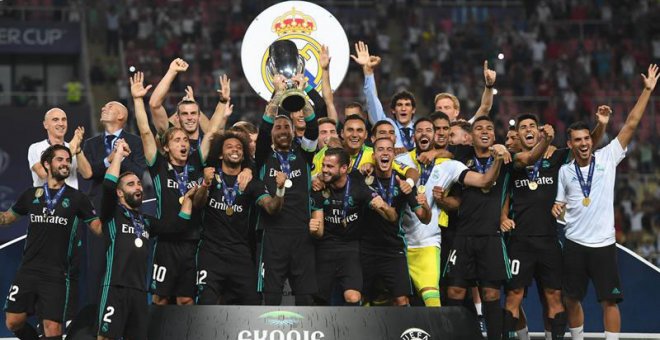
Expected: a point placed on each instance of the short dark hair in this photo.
(218, 142)
(124, 174)
(402, 95)
(379, 123)
(579, 125)
(524, 116)
(48, 154)
(423, 119)
(186, 102)
(463, 124)
(439, 115)
(341, 154)
(355, 104)
(354, 117)
(480, 118)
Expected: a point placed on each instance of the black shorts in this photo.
(534, 257)
(123, 312)
(481, 259)
(392, 270)
(287, 255)
(174, 269)
(582, 263)
(337, 268)
(33, 293)
(229, 279)
(448, 236)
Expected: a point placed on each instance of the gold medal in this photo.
(344, 222)
(39, 192)
(533, 185)
(485, 191)
(369, 180)
(326, 193)
(217, 178)
(181, 200)
(229, 211)
(421, 189)
(586, 201)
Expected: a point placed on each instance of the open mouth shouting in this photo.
(424, 143)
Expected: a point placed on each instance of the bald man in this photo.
(55, 124)
(100, 151)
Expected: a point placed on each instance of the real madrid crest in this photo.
(306, 24)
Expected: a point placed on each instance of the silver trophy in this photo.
(285, 60)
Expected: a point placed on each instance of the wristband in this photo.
(490, 86)
(280, 192)
(223, 100)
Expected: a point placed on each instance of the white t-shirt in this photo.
(593, 225)
(443, 175)
(34, 156)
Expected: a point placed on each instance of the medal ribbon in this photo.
(52, 203)
(586, 186)
(344, 212)
(534, 173)
(387, 195)
(182, 179)
(284, 163)
(229, 193)
(192, 150)
(137, 221)
(356, 163)
(481, 168)
(425, 173)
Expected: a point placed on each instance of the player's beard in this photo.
(133, 201)
(60, 175)
(333, 178)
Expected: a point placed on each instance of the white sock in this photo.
(611, 336)
(577, 333)
(548, 335)
(523, 334)
(477, 306)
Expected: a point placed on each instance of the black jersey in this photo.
(164, 176)
(126, 257)
(336, 235)
(380, 236)
(479, 212)
(52, 234)
(531, 209)
(224, 233)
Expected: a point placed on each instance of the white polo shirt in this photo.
(420, 235)
(593, 225)
(34, 156)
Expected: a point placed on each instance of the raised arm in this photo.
(220, 115)
(525, 158)
(486, 180)
(138, 91)
(326, 87)
(626, 133)
(368, 63)
(160, 92)
(487, 96)
(602, 118)
(84, 168)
